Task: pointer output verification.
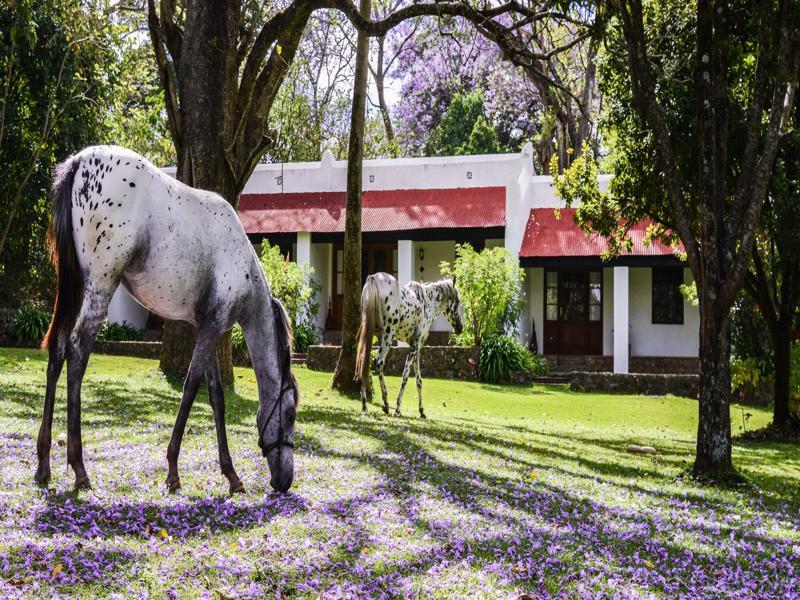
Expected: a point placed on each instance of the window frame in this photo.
(661, 280)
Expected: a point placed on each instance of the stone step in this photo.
(298, 358)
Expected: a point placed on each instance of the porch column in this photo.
(621, 319)
(405, 261)
(303, 248)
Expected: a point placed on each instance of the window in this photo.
(552, 296)
(667, 297)
(595, 296)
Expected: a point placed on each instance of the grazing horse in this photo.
(405, 314)
(183, 254)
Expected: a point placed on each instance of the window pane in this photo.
(552, 295)
(594, 277)
(594, 312)
(594, 294)
(552, 312)
(339, 282)
(552, 279)
(339, 260)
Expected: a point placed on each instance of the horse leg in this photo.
(380, 363)
(419, 385)
(217, 398)
(93, 311)
(406, 369)
(191, 384)
(55, 364)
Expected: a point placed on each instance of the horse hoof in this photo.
(422, 415)
(82, 484)
(42, 478)
(397, 413)
(238, 488)
(386, 410)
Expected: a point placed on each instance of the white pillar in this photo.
(405, 261)
(303, 248)
(621, 319)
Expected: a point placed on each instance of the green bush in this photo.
(119, 332)
(501, 356)
(30, 325)
(490, 285)
(305, 335)
(290, 283)
(237, 338)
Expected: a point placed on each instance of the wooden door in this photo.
(573, 312)
(374, 258)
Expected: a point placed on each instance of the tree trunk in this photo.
(782, 344)
(344, 375)
(714, 425)
(209, 55)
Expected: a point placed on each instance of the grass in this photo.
(502, 491)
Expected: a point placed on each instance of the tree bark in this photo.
(209, 55)
(782, 344)
(714, 424)
(344, 375)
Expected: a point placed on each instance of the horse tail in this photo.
(69, 291)
(370, 315)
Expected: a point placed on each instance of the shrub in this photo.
(490, 284)
(237, 338)
(291, 283)
(119, 332)
(305, 335)
(501, 356)
(29, 325)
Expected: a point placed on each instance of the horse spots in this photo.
(132, 184)
(247, 276)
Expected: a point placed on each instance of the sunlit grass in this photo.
(502, 490)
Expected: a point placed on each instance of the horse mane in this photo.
(447, 287)
(283, 329)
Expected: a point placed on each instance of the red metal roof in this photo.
(547, 235)
(382, 210)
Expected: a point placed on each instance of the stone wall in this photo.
(449, 362)
(648, 384)
(136, 349)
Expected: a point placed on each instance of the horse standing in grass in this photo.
(406, 314)
(183, 254)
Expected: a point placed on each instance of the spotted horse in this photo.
(183, 254)
(401, 313)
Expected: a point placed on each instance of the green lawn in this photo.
(502, 491)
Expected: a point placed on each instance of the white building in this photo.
(627, 314)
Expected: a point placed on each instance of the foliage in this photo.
(750, 335)
(490, 284)
(29, 325)
(502, 356)
(57, 68)
(119, 332)
(439, 68)
(746, 372)
(291, 283)
(237, 338)
(463, 129)
(305, 335)
(794, 382)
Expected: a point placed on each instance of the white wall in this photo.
(124, 309)
(647, 339)
(446, 172)
(608, 311)
(321, 258)
(534, 292)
